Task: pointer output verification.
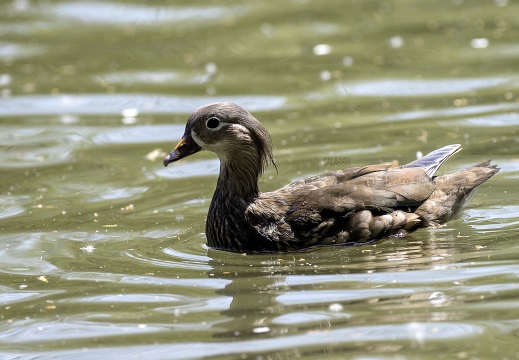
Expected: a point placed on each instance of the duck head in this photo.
(227, 130)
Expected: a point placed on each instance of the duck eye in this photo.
(212, 123)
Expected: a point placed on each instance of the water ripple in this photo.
(139, 134)
(450, 112)
(12, 205)
(9, 296)
(502, 120)
(499, 216)
(441, 275)
(177, 260)
(102, 104)
(417, 333)
(24, 331)
(411, 87)
(190, 169)
(54, 145)
(166, 78)
(18, 254)
(113, 193)
(210, 284)
(132, 298)
(113, 13)
(326, 296)
(11, 51)
(308, 317)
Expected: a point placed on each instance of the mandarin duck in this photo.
(345, 207)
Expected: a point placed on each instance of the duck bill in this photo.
(185, 147)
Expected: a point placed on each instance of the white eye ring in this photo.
(213, 123)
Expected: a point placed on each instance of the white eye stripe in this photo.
(197, 139)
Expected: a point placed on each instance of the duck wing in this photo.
(353, 205)
(350, 206)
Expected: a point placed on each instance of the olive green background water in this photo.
(102, 249)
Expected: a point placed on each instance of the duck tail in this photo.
(453, 192)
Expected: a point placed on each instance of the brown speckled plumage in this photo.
(351, 206)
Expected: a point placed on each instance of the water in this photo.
(102, 249)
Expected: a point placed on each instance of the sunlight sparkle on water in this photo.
(89, 249)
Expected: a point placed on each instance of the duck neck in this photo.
(238, 177)
(227, 226)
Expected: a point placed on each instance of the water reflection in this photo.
(286, 304)
(308, 296)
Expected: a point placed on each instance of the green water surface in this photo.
(102, 249)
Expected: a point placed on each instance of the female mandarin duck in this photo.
(350, 206)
